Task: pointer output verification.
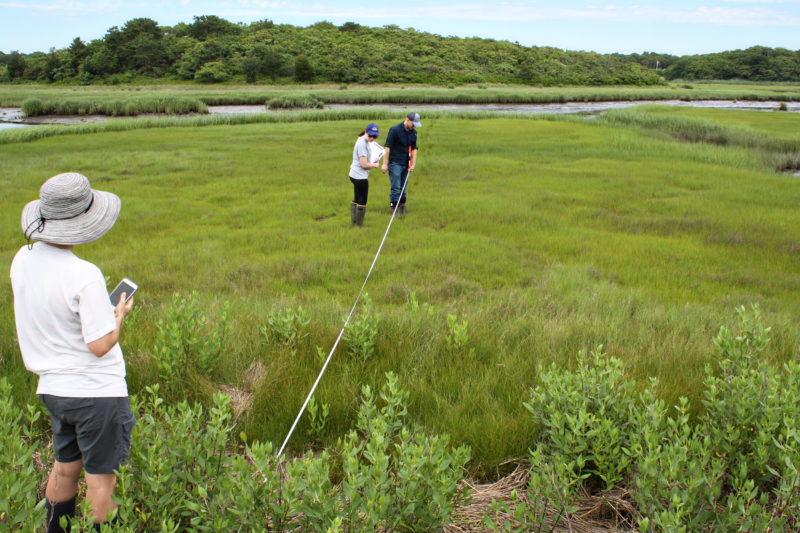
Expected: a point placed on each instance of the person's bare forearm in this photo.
(385, 166)
(101, 346)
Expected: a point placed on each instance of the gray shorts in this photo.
(95, 430)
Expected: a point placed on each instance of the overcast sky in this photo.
(678, 27)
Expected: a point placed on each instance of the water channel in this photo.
(12, 117)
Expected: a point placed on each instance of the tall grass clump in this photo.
(128, 107)
(781, 154)
(32, 107)
(295, 101)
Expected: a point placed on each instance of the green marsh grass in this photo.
(118, 107)
(780, 150)
(16, 135)
(775, 134)
(15, 95)
(295, 101)
(547, 237)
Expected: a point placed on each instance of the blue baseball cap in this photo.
(414, 117)
(372, 130)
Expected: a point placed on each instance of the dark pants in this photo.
(398, 175)
(360, 191)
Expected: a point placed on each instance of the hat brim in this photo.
(82, 229)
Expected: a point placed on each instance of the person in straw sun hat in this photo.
(68, 332)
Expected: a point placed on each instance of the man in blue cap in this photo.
(400, 159)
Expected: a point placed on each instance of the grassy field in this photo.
(542, 237)
(125, 100)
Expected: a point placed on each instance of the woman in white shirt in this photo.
(68, 331)
(366, 154)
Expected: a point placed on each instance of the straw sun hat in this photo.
(69, 211)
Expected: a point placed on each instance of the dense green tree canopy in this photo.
(757, 63)
(212, 49)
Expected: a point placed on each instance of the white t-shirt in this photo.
(61, 304)
(360, 149)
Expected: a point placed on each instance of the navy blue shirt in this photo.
(398, 140)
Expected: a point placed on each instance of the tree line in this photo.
(757, 63)
(211, 49)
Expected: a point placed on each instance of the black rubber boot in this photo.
(401, 209)
(353, 212)
(361, 210)
(55, 510)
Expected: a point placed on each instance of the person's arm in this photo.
(366, 165)
(413, 161)
(385, 166)
(387, 147)
(101, 346)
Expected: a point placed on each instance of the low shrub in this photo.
(456, 341)
(19, 444)
(590, 417)
(736, 468)
(185, 472)
(396, 477)
(187, 344)
(361, 335)
(286, 326)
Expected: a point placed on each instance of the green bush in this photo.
(186, 473)
(752, 417)
(287, 326)
(735, 469)
(187, 344)
(391, 474)
(19, 479)
(590, 416)
(395, 477)
(677, 479)
(746, 402)
(457, 338)
(590, 422)
(360, 335)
